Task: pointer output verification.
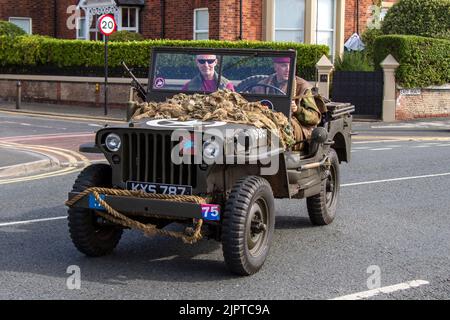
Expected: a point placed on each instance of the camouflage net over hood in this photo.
(222, 105)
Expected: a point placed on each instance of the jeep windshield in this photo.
(259, 75)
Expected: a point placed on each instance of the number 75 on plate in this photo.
(211, 212)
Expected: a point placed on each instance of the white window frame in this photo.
(23, 18)
(275, 29)
(196, 31)
(130, 29)
(329, 30)
(80, 21)
(99, 35)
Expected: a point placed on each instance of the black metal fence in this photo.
(363, 89)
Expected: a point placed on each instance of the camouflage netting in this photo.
(222, 105)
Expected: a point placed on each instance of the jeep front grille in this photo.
(147, 158)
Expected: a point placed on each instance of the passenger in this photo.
(305, 113)
(207, 78)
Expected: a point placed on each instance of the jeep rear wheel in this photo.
(322, 207)
(88, 236)
(248, 225)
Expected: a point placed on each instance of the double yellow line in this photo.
(75, 161)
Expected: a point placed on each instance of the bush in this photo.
(368, 37)
(38, 51)
(428, 18)
(125, 36)
(353, 61)
(10, 29)
(423, 61)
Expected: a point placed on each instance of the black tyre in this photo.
(248, 224)
(322, 207)
(88, 236)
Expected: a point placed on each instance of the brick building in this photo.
(328, 22)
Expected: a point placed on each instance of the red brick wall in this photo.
(63, 16)
(180, 20)
(41, 13)
(251, 20)
(351, 16)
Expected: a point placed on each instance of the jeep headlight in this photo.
(113, 142)
(210, 150)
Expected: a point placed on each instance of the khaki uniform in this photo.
(307, 116)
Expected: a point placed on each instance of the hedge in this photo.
(10, 29)
(44, 51)
(423, 61)
(426, 18)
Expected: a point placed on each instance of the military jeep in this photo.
(211, 160)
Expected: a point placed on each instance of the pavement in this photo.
(71, 111)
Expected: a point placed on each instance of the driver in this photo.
(206, 80)
(306, 114)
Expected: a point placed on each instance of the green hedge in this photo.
(10, 29)
(38, 50)
(426, 18)
(423, 61)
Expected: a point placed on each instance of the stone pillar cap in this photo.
(324, 63)
(389, 63)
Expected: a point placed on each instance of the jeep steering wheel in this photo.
(251, 86)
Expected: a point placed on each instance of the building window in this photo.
(201, 24)
(94, 32)
(23, 23)
(325, 27)
(80, 26)
(290, 20)
(129, 19)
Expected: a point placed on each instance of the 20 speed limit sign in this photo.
(107, 24)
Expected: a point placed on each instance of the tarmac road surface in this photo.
(391, 231)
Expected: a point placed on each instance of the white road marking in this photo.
(380, 149)
(31, 221)
(423, 146)
(389, 289)
(396, 179)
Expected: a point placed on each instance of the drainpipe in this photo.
(55, 17)
(240, 20)
(163, 19)
(357, 16)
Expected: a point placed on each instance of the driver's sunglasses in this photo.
(203, 61)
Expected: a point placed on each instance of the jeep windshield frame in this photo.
(227, 73)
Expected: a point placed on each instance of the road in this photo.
(393, 221)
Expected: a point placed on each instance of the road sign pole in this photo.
(106, 75)
(107, 26)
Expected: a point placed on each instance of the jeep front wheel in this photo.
(88, 236)
(322, 207)
(248, 225)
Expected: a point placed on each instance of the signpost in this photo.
(107, 26)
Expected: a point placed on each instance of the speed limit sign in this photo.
(107, 24)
